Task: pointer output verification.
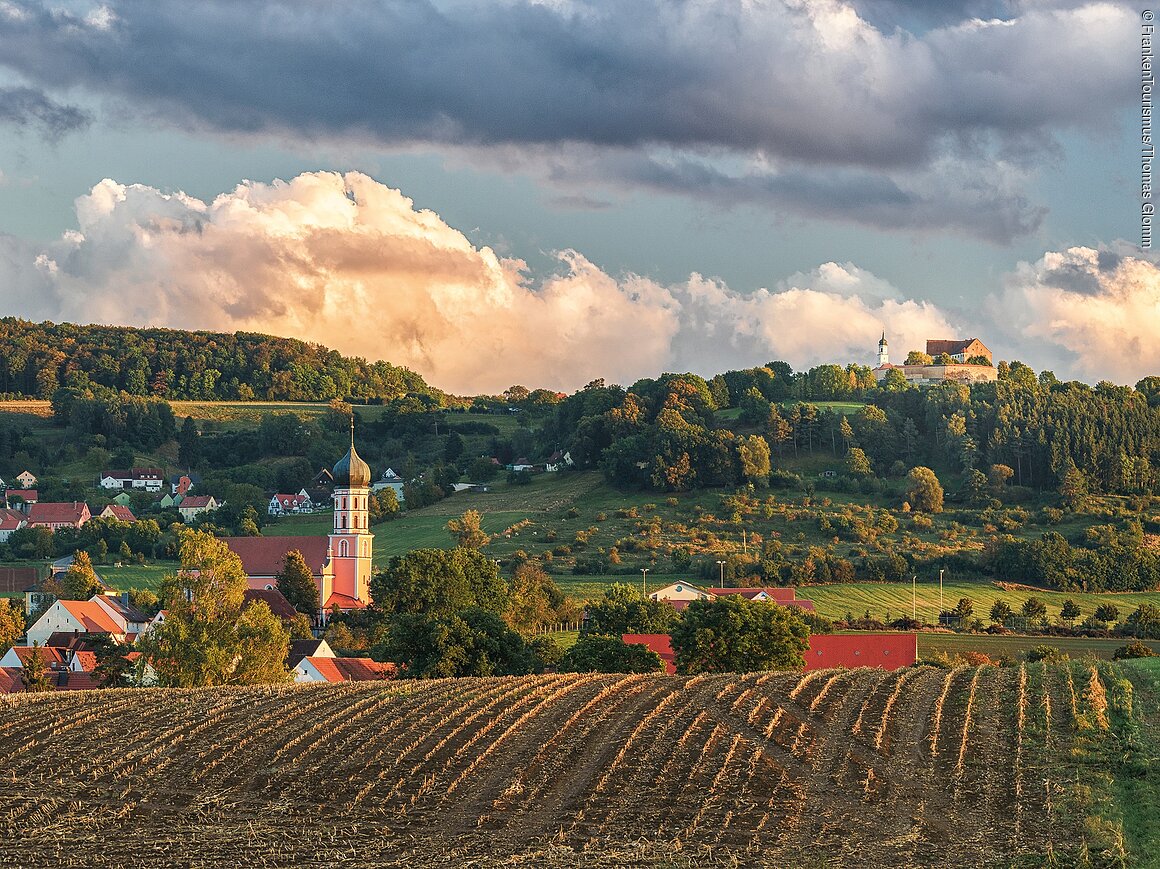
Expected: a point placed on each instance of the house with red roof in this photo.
(49, 514)
(192, 506)
(886, 651)
(320, 669)
(18, 656)
(94, 616)
(679, 594)
(118, 512)
(10, 520)
(282, 505)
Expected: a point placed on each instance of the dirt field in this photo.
(922, 767)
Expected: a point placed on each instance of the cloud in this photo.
(24, 107)
(820, 108)
(1086, 313)
(349, 262)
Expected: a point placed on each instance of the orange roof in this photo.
(49, 654)
(29, 495)
(262, 557)
(352, 669)
(94, 618)
(344, 602)
(76, 682)
(10, 682)
(87, 660)
(65, 513)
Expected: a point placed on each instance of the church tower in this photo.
(883, 351)
(350, 541)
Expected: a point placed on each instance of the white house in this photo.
(148, 479)
(93, 616)
(10, 520)
(679, 594)
(281, 505)
(390, 480)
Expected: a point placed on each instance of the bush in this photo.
(1134, 649)
(1047, 654)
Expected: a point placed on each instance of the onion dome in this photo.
(351, 472)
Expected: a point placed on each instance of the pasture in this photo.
(920, 767)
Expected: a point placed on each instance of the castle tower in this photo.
(350, 541)
(883, 351)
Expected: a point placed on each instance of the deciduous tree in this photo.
(296, 582)
(923, 490)
(735, 635)
(596, 653)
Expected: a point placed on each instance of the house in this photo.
(321, 669)
(390, 480)
(26, 479)
(10, 520)
(322, 480)
(18, 656)
(147, 479)
(168, 501)
(521, 464)
(181, 484)
(123, 499)
(49, 514)
(958, 369)
(281, 505)
(679, 594)
(274, 599)
(300, 649)
(826, 651)
(558, 461)
(194, 505)
(79, 616)
(783, 596)
(20, 499)
(118, 512)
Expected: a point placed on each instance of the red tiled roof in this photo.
(344, 602)
(659, 643)
(69, 641)
(28, 495)
(67, 681)
(87, 660)
(289, 502)
(120, 513)
(10, 680)
(52, 513)
(274, 599)
(352, 669)
(194, 501)
(264, 556)
(94, 618)
(936, 347)
(10, 519)
(49, 654)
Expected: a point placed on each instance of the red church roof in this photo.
(274, 599)
(263, 557)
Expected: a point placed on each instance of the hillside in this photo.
(920, 767)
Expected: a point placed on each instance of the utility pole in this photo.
(914, 598)
(643, 576)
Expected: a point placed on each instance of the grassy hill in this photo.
(922, 767)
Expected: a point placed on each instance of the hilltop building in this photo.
(960, 368)
(340, 562)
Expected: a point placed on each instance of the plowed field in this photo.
(851, 767)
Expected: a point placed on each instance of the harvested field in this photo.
(922, 767)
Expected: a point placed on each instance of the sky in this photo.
(546, 192)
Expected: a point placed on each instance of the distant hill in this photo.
(38, 358)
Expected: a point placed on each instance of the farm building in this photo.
(679, 594)
(884, 651)
(322, 669)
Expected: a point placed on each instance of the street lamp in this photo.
(643, 576)
(941, 608)
(914, 598)
(721, 564)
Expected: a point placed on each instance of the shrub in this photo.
(1047, 654)
(1134, 649)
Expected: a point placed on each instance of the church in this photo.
(959, 368)
(341, 561)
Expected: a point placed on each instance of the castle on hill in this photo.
(960, 366)
(341, 561)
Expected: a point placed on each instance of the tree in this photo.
(917, 357)
(114, 668)
(622, 610)
(35, 675)
(596, 653)
(467, 531)
(1046, 654)
(1107, 613)
(1144, 621)
(964, 609)
(754, 453)
(472, 643)
(383, 506)
(1134, 649)
(1034, 610)
(296, 582)
(532, 599)
(1073, 487)
(1069, 612)
(997, 477)
(857, 464)
(188, 444)
(11, 622)
(1000, 612)
(923, 490)
(439, 582)
(975, 485)
(79, 582)
(735, 635)
(207, 639)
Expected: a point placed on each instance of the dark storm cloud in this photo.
(808, 86)
(27, 107)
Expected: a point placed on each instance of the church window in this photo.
(342, 549)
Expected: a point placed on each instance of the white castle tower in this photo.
(883, 351)
(350, 541)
